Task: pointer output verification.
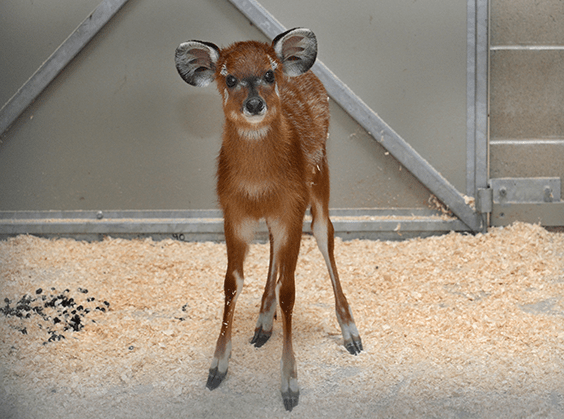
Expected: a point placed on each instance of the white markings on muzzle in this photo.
(254, 119)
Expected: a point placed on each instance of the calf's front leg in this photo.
(237, 247)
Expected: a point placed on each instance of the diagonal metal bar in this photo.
(372, 123)
(58, 61)
(400, 149)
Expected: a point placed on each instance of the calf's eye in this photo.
(230, 81)
(269, 77)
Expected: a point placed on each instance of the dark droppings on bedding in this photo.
(56, 313)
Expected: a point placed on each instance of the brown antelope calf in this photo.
(273, 166)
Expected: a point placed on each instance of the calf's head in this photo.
(248, 74)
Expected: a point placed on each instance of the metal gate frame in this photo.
(470, 212)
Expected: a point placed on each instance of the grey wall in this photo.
(527, 89)
(30, 31)
(118, 129)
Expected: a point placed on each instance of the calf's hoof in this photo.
(215, 378)
(354, 346)
(260, 337)
(290, 399)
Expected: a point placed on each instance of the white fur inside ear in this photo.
(195, 62)
(297, 49)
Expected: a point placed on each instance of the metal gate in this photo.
(469, 211)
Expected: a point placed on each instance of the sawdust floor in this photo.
(457, 326)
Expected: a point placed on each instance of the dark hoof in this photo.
(355, 346)
(260, 338)
(290, 399)
(215, 378)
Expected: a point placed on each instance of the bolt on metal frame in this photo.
(204, 224)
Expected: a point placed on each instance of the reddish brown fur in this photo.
(293, 147)
(272, 168)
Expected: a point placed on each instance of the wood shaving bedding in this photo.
(453, 326)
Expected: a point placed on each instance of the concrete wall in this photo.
(527, 89)
(118, 129)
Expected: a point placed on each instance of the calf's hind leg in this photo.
(263, 329)
(324, 235)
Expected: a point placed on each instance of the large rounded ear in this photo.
(297, 49)
(196, 62)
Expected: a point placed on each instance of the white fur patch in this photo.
(246, 231)
(253, 134)
(234, 115)
(320, 232)
(254, 119)
(279, 239)
(273, 63)
(224, 71)
(277, 291)
(349, 331)
(255, 189)
(223, 363)
(225, 97)
(279, 234)
(291, 384)
(240, 283)
(266, 320)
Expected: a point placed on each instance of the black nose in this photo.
(254, 106)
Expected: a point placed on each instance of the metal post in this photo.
(477, 169)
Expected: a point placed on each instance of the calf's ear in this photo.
(196, 62)
(297, 49)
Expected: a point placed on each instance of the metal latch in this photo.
(484, 200)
